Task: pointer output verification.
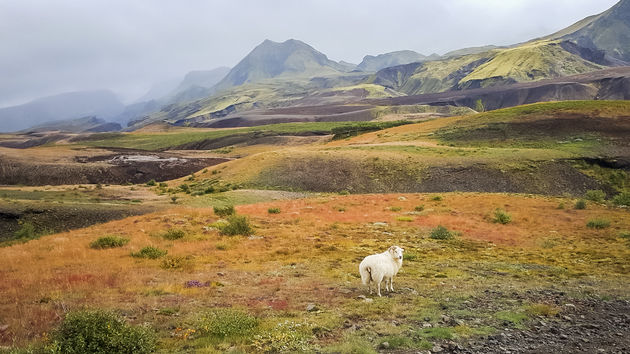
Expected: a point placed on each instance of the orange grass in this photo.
(307, 253)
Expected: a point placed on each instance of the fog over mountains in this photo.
(597, 42)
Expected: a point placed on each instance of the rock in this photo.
(402, 199)
(446, 319)
(379, 224)
(436, 349)
(312, 308)
(3, 328)
(361, 297)
(570, 306)
(221, 274)
(368, 300)
(384, 345)
(427, 325)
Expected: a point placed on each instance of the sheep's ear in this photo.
(392, 249)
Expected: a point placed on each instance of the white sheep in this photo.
(382, 266)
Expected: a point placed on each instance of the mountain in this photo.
(72, 105)
(608, 32)
(202, 78)
(469, 51)
(80, 125)
(291, 58)
(381, 61)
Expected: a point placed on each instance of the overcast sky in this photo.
(49, 47)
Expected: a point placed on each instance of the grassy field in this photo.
(488, 277)
(156, 141)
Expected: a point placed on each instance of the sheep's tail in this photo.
(366, 274)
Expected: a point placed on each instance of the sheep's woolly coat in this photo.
(382, 266)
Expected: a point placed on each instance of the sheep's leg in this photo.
(370, 286)
(379, 288)
(391, 284)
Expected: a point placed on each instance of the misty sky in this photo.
(49, 47)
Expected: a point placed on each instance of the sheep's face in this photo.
(397, 252)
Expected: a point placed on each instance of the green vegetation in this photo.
(174, 262)
(173, 234)
(109, 242)
(598, 223)
(224, 211)
(404, 218)
(513, 318)
(419, 208)
(236, 225)
(363, 127)
(149, 252)
(580, 204)
(410, 256)
(273, 210)
(441, 233)
(157, 141)
(501, 217)
(624, 234)
(225, 323)
(597, 195)
(622, 199)
(97, 331)
(151, 183)
(26, 232)
(437, 198)
(286, 336)
(395, 208)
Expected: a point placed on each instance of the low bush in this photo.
(419, 208)
(441, 233)
(225, 322)
(410, 256)
(580, 204)
(622, 199)
(109, 242)
(501, 217)
(273, 210)
(624, 234)
(97, 331)
(149, 252)
(437, 198)
(405, 218)
(172, 262)
(284, 337)
(151, 183)
(237, 225)
(27, 232)
(395, 208)
(595, 195)
(598, 223)
(224, 211)
(173, 234)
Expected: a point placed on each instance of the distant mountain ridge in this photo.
(381, 61)
(100, 103)
(80, 125)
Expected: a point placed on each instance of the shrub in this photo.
(395, 208)
(595, 195)
(419, 208)
(27, 231)
(542, 310)
(173, 234)
(441, 233)
(273, 210)
(622, 199)
(236, 225)
(151, 183)
(598, 223)
(224, 211)
(501, 217)
(149, 252)
(624, 234)
(405, 218)
(560, 206)
(96, 331)
(580, 204)
(437, 198)
(171, 262)
(109, 242)
(174, 199)
(225, 322)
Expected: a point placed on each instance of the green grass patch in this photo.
(437, 198)
(149, 252)
(236, 225)
(223, 211)
(225, 323)
(501, 217)
(405, 218)
(595, 195)
(109, 242)
(441, 233)
(622, 199)
(598, 224)
(437, 333)
(395, 208)
(580, 205)
(515, 319)
(410, 256)
(97, 331)
(419, 208)
(173, 234)
(175, 263)
(625, 234)
(273, 210)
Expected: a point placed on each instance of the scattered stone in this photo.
(379, 224)
(4, 327)
(436, 349)
(368, 300)
(312, 308)
(402, 199)
(384, 345)
(221, 274)
(427, 325)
